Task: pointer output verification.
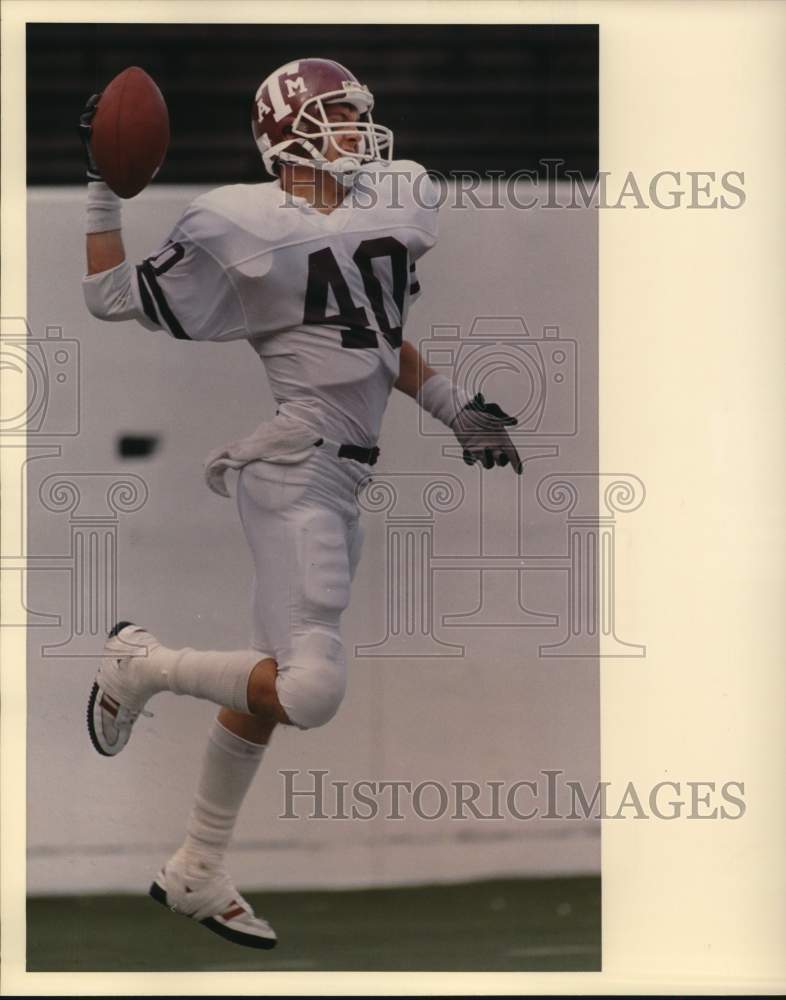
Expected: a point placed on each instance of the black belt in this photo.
(367, 456)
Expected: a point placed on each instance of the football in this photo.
(130, 132)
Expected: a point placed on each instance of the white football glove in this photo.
(480, 429)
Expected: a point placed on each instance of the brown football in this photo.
(130, 132)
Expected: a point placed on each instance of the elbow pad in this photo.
(109, 295)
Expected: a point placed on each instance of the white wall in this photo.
(499, 711)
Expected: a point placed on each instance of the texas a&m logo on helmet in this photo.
(291, 125)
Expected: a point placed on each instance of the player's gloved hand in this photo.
(85, 132)
(480, 430)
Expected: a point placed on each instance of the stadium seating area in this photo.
(459, 97)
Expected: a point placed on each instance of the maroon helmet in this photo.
(290, 124)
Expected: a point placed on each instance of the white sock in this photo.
(218, 676)
(228, 768)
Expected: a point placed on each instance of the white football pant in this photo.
(301, 522)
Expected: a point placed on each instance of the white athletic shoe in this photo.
(121, 688)
(212, 901)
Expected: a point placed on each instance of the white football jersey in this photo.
(322, 299)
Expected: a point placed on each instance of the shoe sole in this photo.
(158, 893)
(94, 695)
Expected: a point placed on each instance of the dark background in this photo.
(458, 97)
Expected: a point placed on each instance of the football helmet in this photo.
(290, 123)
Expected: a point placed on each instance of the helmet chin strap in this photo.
(346, 166)
(345, 169)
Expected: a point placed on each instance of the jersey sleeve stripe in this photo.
(147, 299)
(163, 306)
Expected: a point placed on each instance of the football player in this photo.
(319, 282)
